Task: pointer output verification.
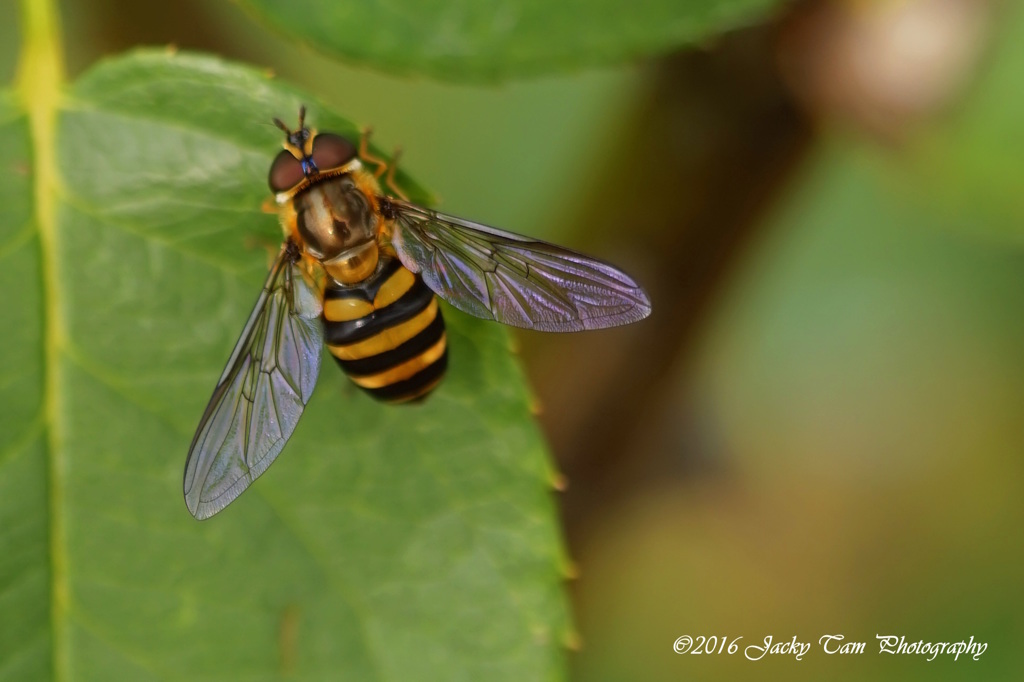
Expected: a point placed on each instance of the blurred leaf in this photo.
(862, 385)
(490, 40)
(9, 41)
(972, 165)
(853, 411)
(871, 326)
(386, 544)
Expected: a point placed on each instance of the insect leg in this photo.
(365, 155)
(384, 168)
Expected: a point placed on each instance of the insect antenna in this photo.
(280, 124)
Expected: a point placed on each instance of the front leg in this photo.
(383, 167)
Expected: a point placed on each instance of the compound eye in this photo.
(331, 151)
(285, 172)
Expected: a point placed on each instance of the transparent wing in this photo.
(261, 394)
(513, 279)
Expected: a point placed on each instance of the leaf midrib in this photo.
(40, 76)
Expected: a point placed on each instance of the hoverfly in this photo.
(359, 270)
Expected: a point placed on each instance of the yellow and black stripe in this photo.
(387, 333)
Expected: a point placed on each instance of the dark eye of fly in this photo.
(285, 172)
(331, 151)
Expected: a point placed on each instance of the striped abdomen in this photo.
(387, 333)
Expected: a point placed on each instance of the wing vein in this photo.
(251, 413)
(512, 279)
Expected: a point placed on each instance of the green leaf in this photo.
(24, 544)
(971, 164)
(387, 543)
(476, 40)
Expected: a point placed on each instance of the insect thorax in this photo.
(338, 226)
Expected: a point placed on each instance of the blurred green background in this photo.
(820, 430)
